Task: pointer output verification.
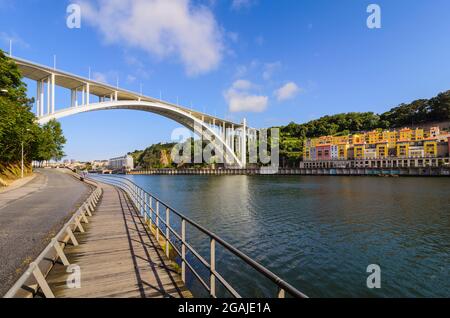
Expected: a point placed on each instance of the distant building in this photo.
(371, 148)
(125, 162)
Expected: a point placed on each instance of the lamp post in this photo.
(22, 157)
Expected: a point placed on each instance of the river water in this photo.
(321, 233)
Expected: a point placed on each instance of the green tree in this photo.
(50, 142)
(18, 124)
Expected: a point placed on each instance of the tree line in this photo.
(18, 123)
(436, 109)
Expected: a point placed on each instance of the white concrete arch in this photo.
(175, 113)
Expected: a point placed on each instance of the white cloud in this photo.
(241, 99)
(241, 70)
(233, 36)
(239, 4)
(131, 79)
(287, 91)
(109, 77)
(259, 40)
(100, 77)
(162, 28)
(270, 69)
(16, 40)
(242, 85)
(141, 70)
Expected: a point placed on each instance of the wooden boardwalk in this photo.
(117, 257)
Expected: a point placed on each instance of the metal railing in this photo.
(35, 276)
(157, 215)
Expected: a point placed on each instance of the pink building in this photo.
(323, 152)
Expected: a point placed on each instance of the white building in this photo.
(334, 152)
(125, 162)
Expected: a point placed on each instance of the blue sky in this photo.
(269, 61)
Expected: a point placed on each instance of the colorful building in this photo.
(379, 144)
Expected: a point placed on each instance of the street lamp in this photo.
(22, 156)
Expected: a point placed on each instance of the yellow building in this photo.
(390, 137)
(405, 134)
(359, 151)
(382, 150)
(307, 153)
(373, 137)
(357, 139)
(343, 151)
(403, 149)
(418, 134)
(430, 148)
(340, 140)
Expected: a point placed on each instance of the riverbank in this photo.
(383, 172)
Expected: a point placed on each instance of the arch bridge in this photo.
(88, 95)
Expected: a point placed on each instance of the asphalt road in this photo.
(31, 215)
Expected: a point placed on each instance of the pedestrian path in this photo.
(118, 257)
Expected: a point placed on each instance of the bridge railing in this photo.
(157, 216)
(35, 276)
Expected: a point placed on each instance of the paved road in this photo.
(30, 216)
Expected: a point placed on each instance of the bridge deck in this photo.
(117, 257)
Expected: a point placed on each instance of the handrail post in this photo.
(40, 279)
(167, 232)
(146, 208)
(212, 267)
(141, 200)
(157, 221)
(183, 250)
(150, 209)
(60, 252)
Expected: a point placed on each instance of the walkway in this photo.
(31, 215)
(117, 257)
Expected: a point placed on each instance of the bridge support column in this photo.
(53, 93)
(244, 144)
(48, 81)
(41, 97)
(39, 106)
(73, 98)
(83, 97)
(232, 138)
(88, 94)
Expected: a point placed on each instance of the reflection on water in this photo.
(321, 233)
